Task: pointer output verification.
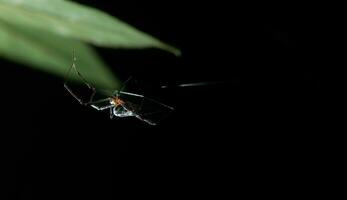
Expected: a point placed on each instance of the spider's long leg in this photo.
(142, 117)
(79, 99)
(145, 120)
(73, 66)
(196, 84)
(162, 104)
(99, 101)
(124, 85)
(141, 105)
(129, 93)
(139, 95)
(73, 94)
(101, 107)
(95, 105)
(111, 113)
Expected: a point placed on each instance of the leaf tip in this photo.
(177, 52)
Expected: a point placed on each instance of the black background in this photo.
(256, 133)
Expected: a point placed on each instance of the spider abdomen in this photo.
(120, 111)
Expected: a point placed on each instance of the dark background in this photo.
(256, 133)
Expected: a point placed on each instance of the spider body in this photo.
(117, 101)
(119, 109)
(119, 106)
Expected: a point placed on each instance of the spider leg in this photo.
(145, 120)
(131, 94)
(142, 100)
(124, 85)
(102, 107)
(111, 113)
(94, 104)
(73, 94)
(141, 96)
(90, 102)
(73, 66)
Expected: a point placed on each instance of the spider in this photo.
(117, 102)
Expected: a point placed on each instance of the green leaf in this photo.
(73, 20)
(52, 53)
